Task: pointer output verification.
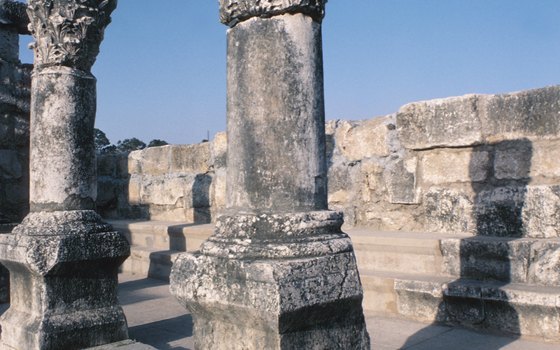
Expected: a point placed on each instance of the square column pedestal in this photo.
(63, 274)
(274, 281)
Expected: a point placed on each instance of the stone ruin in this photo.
(63, 259)
(477, 166)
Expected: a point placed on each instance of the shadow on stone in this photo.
(159, 334)
(134, 291)
(201, 199)
(490, 260)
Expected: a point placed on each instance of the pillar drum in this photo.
(62, 152)
(63, 259)
(278, 272)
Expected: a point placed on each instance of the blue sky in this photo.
(161, 71)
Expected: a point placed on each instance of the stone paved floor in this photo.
(156, 319)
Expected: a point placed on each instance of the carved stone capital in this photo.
(68, 32)
(235, 11)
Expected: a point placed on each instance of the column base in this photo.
(274, 282)
(63, 282)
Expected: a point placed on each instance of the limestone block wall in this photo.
(484, 164)
(14, 139)
(174, 183)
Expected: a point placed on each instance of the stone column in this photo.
(278, 273)
(63, 259)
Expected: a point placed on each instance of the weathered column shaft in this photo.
(62, 170)
(278, 272)
(276, 125)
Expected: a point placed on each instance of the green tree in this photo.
(101, 140)
(129, 145)
(157, 142)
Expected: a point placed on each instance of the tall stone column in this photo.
(63, 259)
(278, 273)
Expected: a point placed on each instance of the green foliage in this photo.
(101, 140)
(129, 145)
(157, 142)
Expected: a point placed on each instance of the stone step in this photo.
(523, 260)
(380, 296)
(149, 262)
(404, 252)
(164, 235)
(514, 308)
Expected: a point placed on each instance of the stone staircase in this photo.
(154, 244)
(492, 283)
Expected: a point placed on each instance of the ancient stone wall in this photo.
(176, 183)
(15, 83)
(483, 164)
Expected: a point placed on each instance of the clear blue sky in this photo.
(161, 71)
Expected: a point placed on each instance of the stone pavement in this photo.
(156, 319)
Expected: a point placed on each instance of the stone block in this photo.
(543, 162)
(10, 165)
(219, 150)
(218, 190)
(190, 158)
(449, 210)
(443, 166)
(544, 267)
(365, 139)
(166, 190)
(485, 258)
(293, 303)
(498, 211)
(525, 114)
(201, 191)
(513, 159)
(541, 211)
(134, 163)
(450, 122)
(420, 300)
(400, 180)
(155, 161)
(373, 185)
(135, 190)
(54, 305)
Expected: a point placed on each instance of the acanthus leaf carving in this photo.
(68, 32)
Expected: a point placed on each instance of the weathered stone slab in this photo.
(400, 180)
(525, 114)
(499, 211)
(420, 300)
(55, 307)
(544, 268)
(513, 159)
(449, 210)
(166, 190)
(364, 139)
(444, 166)
(190, 158)
(218, 149)
(487, 258)
(541, 211)
(543, 161)
(447, 122)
